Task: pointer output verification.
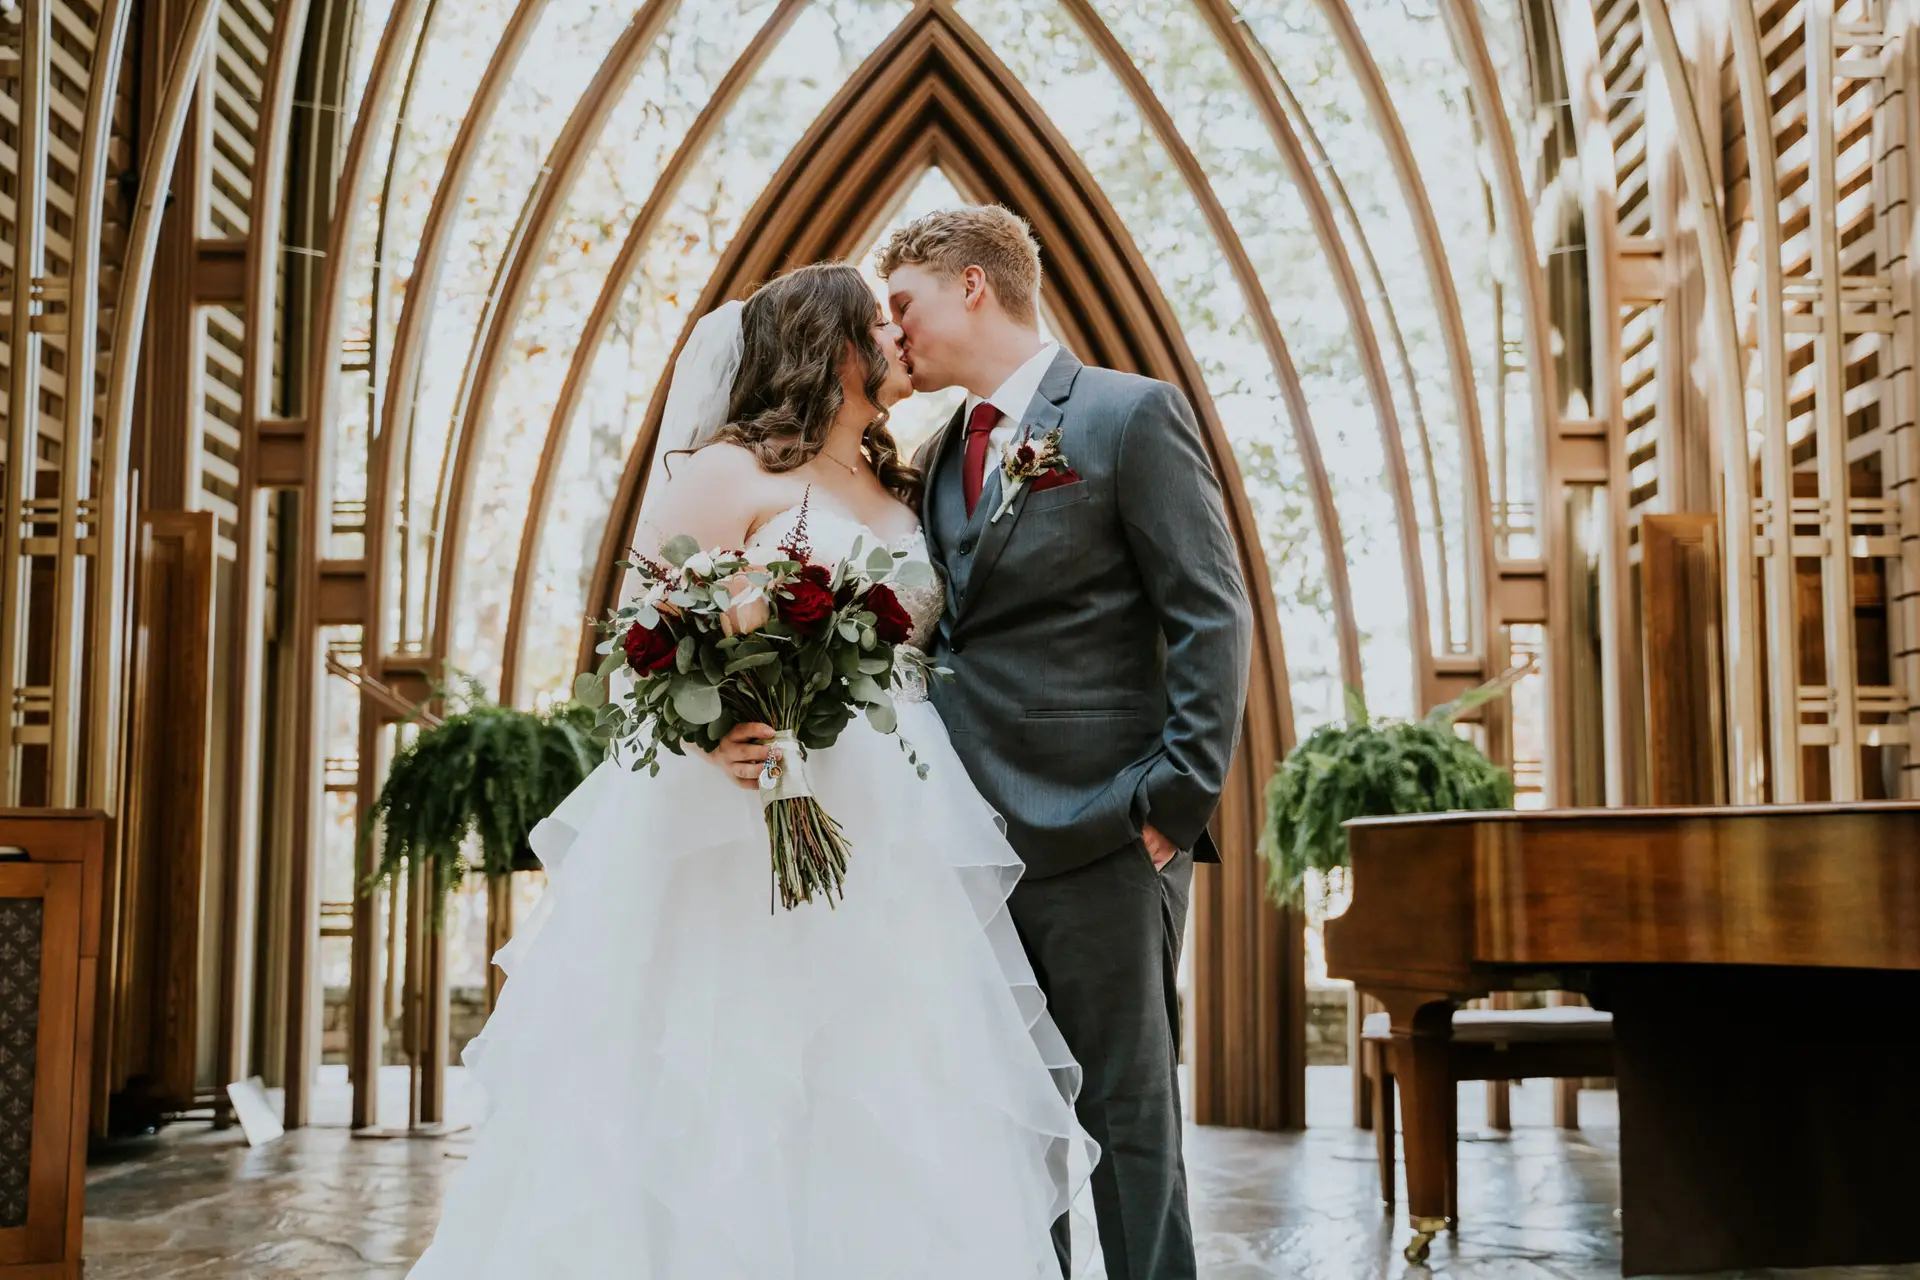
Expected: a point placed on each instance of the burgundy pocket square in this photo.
(1054, 479)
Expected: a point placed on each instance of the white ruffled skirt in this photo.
(683, 1085)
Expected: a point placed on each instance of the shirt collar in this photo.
(1017, 392)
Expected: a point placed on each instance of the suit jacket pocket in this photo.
(1055, 497)
(1089, 739)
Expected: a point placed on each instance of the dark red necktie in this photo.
(979, 428)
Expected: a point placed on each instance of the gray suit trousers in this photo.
(1116, 1003)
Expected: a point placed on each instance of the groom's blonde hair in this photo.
(990, 237)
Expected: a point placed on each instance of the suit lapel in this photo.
(1043, 415)
(930, 482)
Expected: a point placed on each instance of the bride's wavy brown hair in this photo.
(796, 331)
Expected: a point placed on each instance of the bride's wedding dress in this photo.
(685, 1086)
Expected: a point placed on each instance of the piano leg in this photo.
(1422, 1035)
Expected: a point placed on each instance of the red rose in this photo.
(891, 621)
(807, 603)
(649, 650)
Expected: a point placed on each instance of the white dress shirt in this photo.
(1012, 399)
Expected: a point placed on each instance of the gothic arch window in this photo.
(553, 191)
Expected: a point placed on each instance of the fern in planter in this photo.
(1373, 768)
(488, 771)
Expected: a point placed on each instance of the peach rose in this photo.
(748, 609)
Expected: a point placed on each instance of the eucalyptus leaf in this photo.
(695, 701)
(751, 660)
(590, 689)
(679, 549)
(611, 663)
(913, 575)
(879, 563)
(872, 666)
(862, 688)
(882, 716)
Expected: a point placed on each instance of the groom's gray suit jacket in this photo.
(1098, 632)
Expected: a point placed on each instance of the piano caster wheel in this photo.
(1424, 1230)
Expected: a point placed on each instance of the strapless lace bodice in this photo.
(831, 535)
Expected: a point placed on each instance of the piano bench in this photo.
(1564, 1042)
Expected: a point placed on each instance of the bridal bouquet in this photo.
(714, 640)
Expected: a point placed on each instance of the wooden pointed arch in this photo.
(933, 93)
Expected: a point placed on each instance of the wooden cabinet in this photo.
(50, 893)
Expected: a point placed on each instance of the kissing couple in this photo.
(912, 1084)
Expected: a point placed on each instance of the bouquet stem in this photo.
(809, 850)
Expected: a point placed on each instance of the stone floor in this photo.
(1538, 1204)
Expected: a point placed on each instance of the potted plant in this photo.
(487, 771)
(1373, 768)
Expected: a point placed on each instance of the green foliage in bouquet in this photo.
(699, 676)
(714, 640)
(488, 772)
(1372, 768)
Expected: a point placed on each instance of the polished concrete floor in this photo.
(1537, 1204)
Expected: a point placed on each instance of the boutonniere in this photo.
(1026, 461)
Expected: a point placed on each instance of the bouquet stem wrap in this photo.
(809, 849)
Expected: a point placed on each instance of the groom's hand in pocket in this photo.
(1159, 848)
(743, 751)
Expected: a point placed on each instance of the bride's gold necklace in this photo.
(852, 471)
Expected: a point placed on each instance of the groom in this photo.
(1099, 637)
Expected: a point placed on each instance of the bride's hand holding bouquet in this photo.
(714, 640)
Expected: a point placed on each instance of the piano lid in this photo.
(1437, 896)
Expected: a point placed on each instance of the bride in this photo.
(682, 1086)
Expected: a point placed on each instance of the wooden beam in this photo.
(109, 611)
(220, 270)
(1740, 634)
(1520, 593)
(280, 455)
(83, 354)
(1582, 451)
(1536, 338)
(260, 279)
(342, 599)
(307, 700)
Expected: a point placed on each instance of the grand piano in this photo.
(1763, 970)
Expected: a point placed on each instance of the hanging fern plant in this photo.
(487, 772)
(1373, 768)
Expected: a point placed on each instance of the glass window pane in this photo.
(826, 44)
(1337, 127)
(1194, 81)
(566, 49)
(676, 79)
(1414, 51)
(371, 306)
(1053, 59)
